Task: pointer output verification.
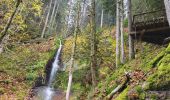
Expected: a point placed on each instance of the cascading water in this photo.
(47, 92)
(55, 66)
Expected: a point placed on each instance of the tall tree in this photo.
(93, 45)
(52, 16)
(131, 41)
(101, 22)
(167, 7)
(77, 30)
(117, 33)
(4, 32)
(47, 18)
(121, 29)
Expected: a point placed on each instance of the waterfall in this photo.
(55, 66)
(47, 92)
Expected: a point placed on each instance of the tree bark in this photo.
(117, 33)
(131, 41)
(93, 45)
(4, 32)
(47, 18)
(167, 7)
(122, 32)
(73, 53)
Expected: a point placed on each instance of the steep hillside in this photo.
(21, 66)
(149, 77)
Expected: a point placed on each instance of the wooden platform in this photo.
(151, 27)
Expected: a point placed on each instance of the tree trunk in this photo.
(73, 54)
(93, 45)
(122, 32)
(47, 18)
(167, 7)
(4, 32)
(131, 41)
(52, 17)
(101, 22)
(117, 33)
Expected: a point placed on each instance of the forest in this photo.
(84, 49)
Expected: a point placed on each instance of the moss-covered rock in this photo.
(123, 95)
(168, 49)
(160, 80)
(156, 60)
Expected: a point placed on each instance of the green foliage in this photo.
(123, 95)
(140, 92)
(146, 5)
(154, 97)
(31, 76)
(2, 91)
(109, 6)
(125, 23)
(139, 89)
(25, 20)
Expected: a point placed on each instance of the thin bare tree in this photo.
(52, 16)
(131, 41)
(101, 20)
(77, 30)
(93, 45)
(4, 33)
(122, 33)
(47, 18)
(117, 33)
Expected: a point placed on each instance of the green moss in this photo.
(155, 61)
(168, 49)
(110, 80)
(31, 76)
(14, 89)
(123, 95)
(160, 80)
(140, 92)
(154, 97)
(77, 87)
(2, 91)
(165, 60)
(139, 89)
